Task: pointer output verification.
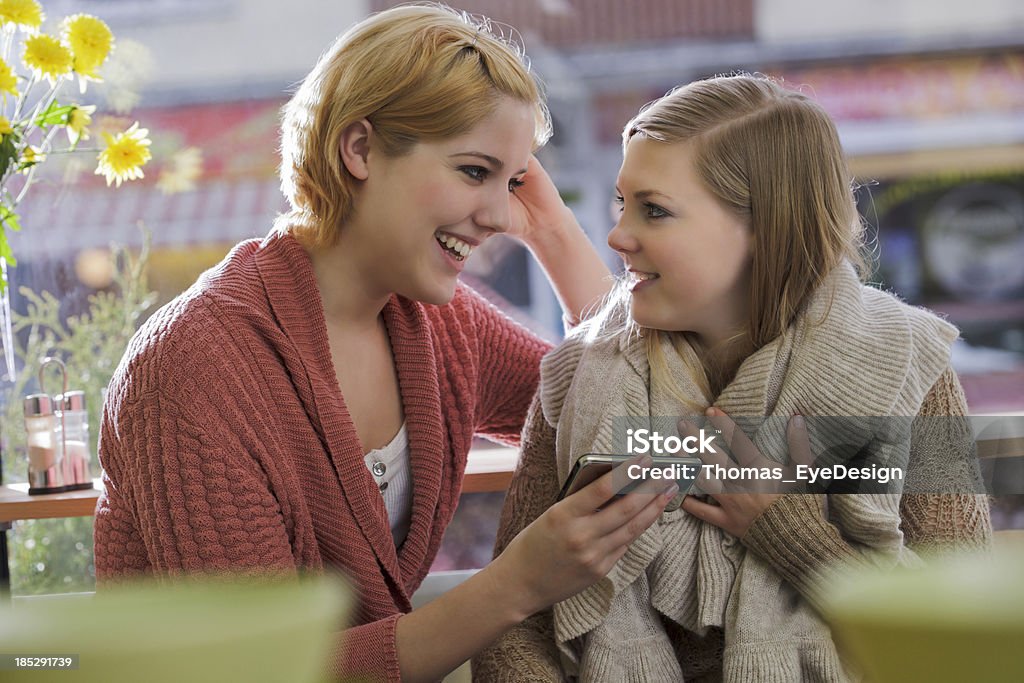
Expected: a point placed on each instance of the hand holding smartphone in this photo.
(589, 467)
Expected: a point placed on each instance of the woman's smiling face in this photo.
(418, 216)
(687, 255)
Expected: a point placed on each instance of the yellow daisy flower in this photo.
(47, 56)
(30, 157)
(5, 126)
(79, 119)
(124, 155)
(25, 13)
(90, 40)
(8, 81)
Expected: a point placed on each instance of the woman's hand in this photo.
(740, 502)
(578, 540)
(548, 228)
(537, 208)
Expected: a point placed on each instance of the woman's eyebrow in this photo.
(648, 194)
(494, 161)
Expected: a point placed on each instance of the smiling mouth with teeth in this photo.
(454, 246)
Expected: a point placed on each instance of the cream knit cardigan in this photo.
(856, 351)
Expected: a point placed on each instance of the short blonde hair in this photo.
(417, 73)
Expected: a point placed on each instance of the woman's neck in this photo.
(723, 360)
(346, 289)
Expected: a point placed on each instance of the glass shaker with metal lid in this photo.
(75, 429)
(45, 469)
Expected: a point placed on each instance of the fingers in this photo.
(799, 441)
(709, 485)
(647, 514)
(741, 447)
(743, 452)
(713, 514)
(533, 167)
(719, 457)
(617, 540)
(622, 512)
(537, 188)
(600, 491)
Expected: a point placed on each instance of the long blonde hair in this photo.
(417, 73)
(772, 156)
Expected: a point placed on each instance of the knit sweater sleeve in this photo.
(527, 652)
(949, 518)
(793, 535)
(509, 370)
(198, 502)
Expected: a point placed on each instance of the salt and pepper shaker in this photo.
(45, 473)
(58, 438)
(75, 428)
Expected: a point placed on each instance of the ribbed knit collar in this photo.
(287, 274)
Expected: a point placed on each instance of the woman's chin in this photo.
(652, 321)
(436, 293)
(643, 317)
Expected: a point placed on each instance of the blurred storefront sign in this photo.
(920, 88)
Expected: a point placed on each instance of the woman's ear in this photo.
(355, 148)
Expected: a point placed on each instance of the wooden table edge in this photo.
(489, 472)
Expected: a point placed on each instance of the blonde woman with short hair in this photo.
(742, 296)
(309, 403)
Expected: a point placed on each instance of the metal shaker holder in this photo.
(57, 463)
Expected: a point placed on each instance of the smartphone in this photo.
(589, 467)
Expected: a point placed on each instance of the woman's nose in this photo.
(496, 214)
(621, 240)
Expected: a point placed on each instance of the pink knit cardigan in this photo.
(226, 443)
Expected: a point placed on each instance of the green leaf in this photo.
(9, 218)
(5, 252)
(8, 150)
(55, 114)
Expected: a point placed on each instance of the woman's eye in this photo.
(515, 184)
(477, 173)
(619, 203)
(654, 211)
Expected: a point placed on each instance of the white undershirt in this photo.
(389, 467)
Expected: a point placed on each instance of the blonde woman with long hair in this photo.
(742, 296)
(309, 404)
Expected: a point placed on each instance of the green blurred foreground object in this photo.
(961, 619)
(217, 630)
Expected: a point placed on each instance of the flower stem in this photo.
(6, 332)
(43, 104)
(24, 97)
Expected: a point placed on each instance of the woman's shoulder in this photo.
(606, 333)
(922, 322)
(203, 327)
(588, 357)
